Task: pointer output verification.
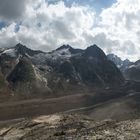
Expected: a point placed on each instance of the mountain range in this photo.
(29, 73)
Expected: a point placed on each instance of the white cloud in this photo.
(122, 22)
(115, 30)
(8, 36)
(48, 26)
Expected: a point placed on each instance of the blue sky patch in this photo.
(97, 5)
(2, 24)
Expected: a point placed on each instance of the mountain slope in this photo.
(5, 91)
(25, 80)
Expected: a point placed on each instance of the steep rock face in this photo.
(7, 63)
(25, 80)
(5, 91)
(22, 72)
(121, 64)
(95, 52)
(117, 60)
(133, 71)
(91, 66)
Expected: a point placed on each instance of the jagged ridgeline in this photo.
(61, 71)
(130, 70)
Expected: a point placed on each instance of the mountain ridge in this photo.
(60, 70)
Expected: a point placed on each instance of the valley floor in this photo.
(102, 105)
(113, 114)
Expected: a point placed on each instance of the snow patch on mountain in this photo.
(135, 66)
(62, 54)
(10, 52)
(53, 56)
(121, 64)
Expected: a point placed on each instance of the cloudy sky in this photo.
(114, 25)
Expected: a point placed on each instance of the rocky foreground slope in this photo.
(70, 127)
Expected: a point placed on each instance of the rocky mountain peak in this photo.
(64, 47)
(23, 50)
(70, 49)
(19, 45)
(95, 51)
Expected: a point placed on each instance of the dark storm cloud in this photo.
(12, 9)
